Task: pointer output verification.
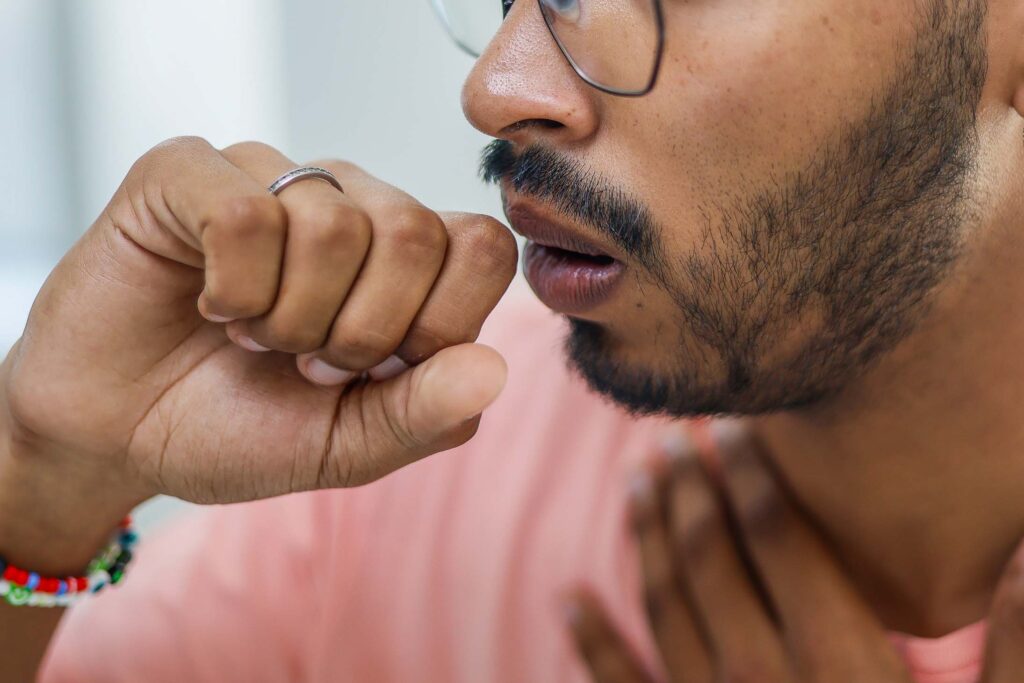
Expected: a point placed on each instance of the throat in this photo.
(923, 532)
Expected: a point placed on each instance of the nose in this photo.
(523, 90)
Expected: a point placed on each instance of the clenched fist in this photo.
(208, 340)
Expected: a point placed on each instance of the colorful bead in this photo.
(18, 595)
(20, 587)
(98, 580)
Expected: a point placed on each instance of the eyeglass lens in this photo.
(612, 44)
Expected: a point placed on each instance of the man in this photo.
(803, 214)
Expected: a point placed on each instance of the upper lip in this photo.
(532, 223)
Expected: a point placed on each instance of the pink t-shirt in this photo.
(450, 570)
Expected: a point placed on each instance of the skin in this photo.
(127, 374)
(766, 602)
(756, 90)
(748, 89)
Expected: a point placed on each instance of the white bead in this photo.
(45, 599)
(98, 579)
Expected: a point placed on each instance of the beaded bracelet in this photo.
(19, 587)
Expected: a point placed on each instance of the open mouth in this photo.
(569, 281)
(577, 258)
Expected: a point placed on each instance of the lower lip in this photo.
(566, 283)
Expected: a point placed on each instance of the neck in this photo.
(916, 474)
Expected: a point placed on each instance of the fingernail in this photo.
(572, 613)
(328, 375)
(392, 367)
(250, 344)
(218, 318)
(676, 445)
(641, 488)
(727, 431)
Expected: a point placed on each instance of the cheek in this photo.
(749, 91)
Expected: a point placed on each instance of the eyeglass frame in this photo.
(659, 19)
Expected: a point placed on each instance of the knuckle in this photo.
(761, 511)
(358, 347)
(173, 148)
(244, 217)
(287, 336)
(248, 148)
(183, 144)
(337, 228)
(417, 229)
(494, 246)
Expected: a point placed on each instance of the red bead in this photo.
(10, 573)
(48, 586)
(81, 583)
(21, 577)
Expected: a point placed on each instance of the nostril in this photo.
(526, 124)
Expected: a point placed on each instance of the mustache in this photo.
(580, 194)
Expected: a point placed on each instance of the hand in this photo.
(786, 614)
(124, 366)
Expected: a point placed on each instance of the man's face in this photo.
(781, 206)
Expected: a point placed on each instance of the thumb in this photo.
(383, 426)
(1004, 656)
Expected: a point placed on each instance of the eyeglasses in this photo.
(613, 45)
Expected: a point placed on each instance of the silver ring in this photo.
(305, 173)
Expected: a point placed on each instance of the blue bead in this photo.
(128, 539)
(3, 565)
(62, 588)
(33, 581)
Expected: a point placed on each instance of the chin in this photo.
(681, 385)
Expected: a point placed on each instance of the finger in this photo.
(217, 209)
(679, 640)
(602, 648)
(1004, 656)
(404, 259)
(479, 266)
(328, 237)
(830, 631)
(726, 602)
(382, 426)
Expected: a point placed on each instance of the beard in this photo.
(849, 250)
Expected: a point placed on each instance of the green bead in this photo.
(18, 595)
(116, 575)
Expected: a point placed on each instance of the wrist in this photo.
(55, 512)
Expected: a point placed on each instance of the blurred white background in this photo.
(89, 86)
